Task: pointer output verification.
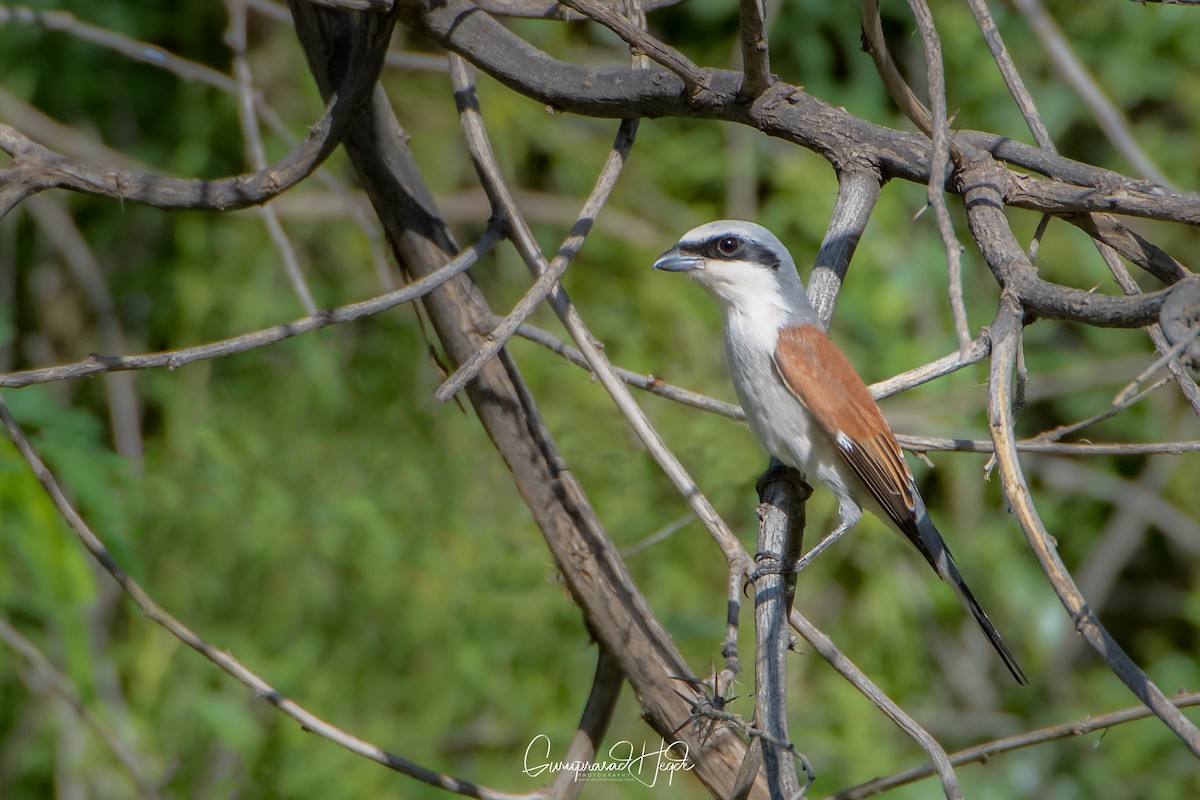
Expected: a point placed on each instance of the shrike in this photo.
(802, 398)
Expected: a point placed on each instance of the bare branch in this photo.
(173, 359)
(1072, 70)
(256, 153)
(928, 444)
(889, 73)
(1005, 331)
(782, 495)
(223, 658)
(756, 54)
(847, 669)
(939, 161)
(1130, 245)
(1008, 70)
(694, 78)
(858, 191)
(983, 753)
(552, 9)
(548, 280)
(35, 168)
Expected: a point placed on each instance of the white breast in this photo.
(778, 420)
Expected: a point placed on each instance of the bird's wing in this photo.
(822, 378)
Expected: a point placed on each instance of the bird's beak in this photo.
(675, 261)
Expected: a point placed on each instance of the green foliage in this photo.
(309, 508)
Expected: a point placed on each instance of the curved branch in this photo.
(783, 110)
(982, 185)
(1005, 333)
(36, 168)
(858, 191)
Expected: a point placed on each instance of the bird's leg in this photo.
(771, 564)
(820, 547)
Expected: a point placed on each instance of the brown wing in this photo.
(823, 379)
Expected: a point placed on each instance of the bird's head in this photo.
(741, 264)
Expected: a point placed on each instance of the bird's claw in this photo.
(767, 564)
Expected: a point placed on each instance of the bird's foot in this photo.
(768, 564)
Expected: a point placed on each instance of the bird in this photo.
(803, 399)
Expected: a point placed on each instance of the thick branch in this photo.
(783, 110)
(782, 493)
(615, 610)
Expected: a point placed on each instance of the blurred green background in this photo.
(311, 509)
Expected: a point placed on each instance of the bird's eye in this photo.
(729, 245)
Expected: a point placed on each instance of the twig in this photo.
(756, 55)
(889, 73)
(548, 280)
(847, 669)
(1170, 355)
(928, 444)
(648, 383)
(1008, 70)
(527, 246)
(159, 615)
(235, 37)
(1072, 70)
(695, 79)
(1122, 402)
(984, 752)
(939, 160)
(1005, 331)
(173, 359)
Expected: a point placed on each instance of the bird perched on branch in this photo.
(804, 401)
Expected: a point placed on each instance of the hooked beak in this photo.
(675, 261)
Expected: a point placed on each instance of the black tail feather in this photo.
(933, 547)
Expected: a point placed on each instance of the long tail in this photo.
(933, 547)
